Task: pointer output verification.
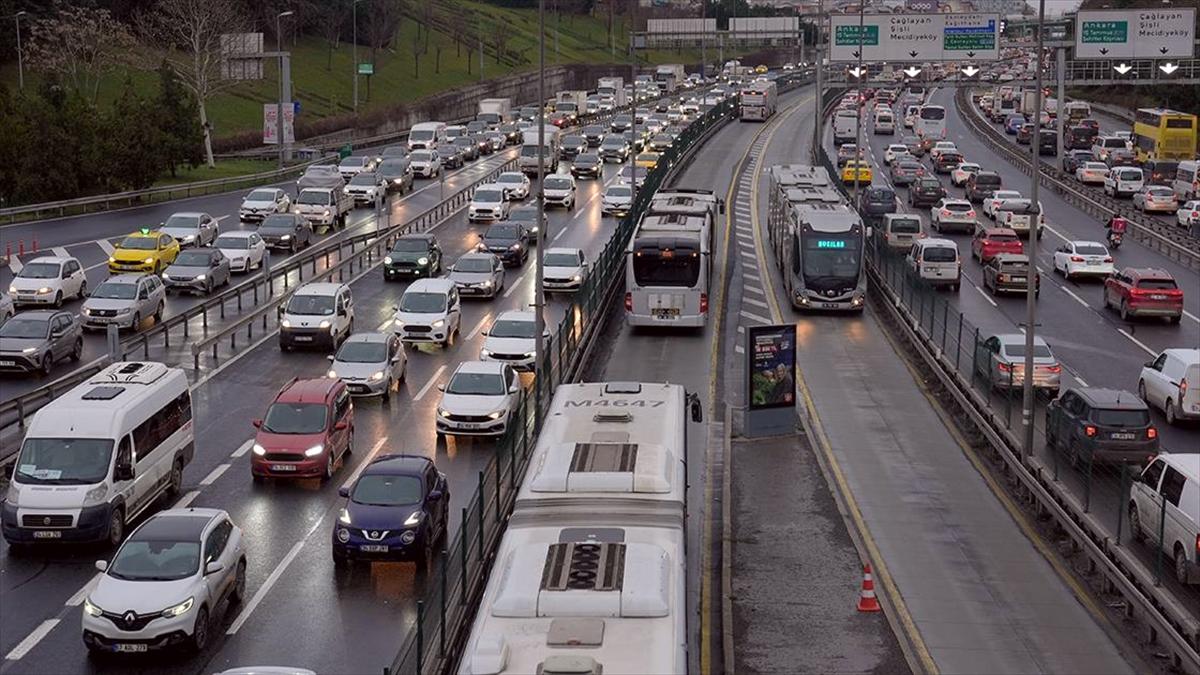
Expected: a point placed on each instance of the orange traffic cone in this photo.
(866, 599)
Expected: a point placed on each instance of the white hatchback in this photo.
(1083, 258)
(488, 204)
(1188, 214)
(510, 339)
(894, 149)
(998, 197)
(48, 281)
(952, 214)
(516, 185)
(563, 269)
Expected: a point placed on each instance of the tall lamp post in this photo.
(20, 56)
(279, 108)
(539, 298)
(354, 46)
(1031, 279)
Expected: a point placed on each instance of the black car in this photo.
(593, 134)
(621, 123)
(1075, 158)
(528, 216)
(981, 185)
(34, 341)
(925, 192)
(512, 133)
(1048, 143)
(451, 155)
(1080, 137)
(286, 230)
(1092, 424)
(509, 241)
(572, 145)
(587, 165)
(875, 202)
(469, 147)
(398, 173)
(947, 162)
(413, 256)
(661, 142)
(614, 149)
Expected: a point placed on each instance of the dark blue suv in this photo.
(396, 511)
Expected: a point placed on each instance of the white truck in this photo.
(495, 111)
(548, 141)
(323, 207)
(572, 103)
(669, 76)
(614, 87)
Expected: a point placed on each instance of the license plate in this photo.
(1158, 297)
(304, 338)
(829, 305)
(1123, 436)
(1017, 280)
(466, 425)
(124, 647)
(373, 548)
(283, 467)
(357, 388)
(8, 363)
(668, 313)
(47, 534)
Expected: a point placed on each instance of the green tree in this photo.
(134, 142)
(179, 122)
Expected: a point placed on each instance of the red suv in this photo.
(988, 241)
(307, 431)
(1144, 292)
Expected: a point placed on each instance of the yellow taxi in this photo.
(761, 70)
(857, 169)
(144, 251)
(646, 160)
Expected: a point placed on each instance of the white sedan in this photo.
(191, 229)
(478, 400)
(1189, 213)
(1091, 173)
(563, 269)
(511, 339)
(894, 149)
(998, 197)
(955, 213)
(1083, 258)
(516, 185)
(245, 250)
(961, 173)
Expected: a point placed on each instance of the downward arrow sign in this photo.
(912, 71)
(1169, 68)
(970, 71)
(857, 72)
(1163, 50)
(913, 54)
(856, 54)
(971, 54)
(1104, 50)
(1123, 68)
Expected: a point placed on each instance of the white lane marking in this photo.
(220, 218)
(61, 251)
(187, 499)
(429, 385)
(106, 246)
(363, 464)
(509, 291)
(266, 587)
(31, 640)
(1137, 342)
(385, 324)
(1082, 382)
(561, 231)
(756, 303)
(479, 326)
(77, 599)
(14, 264)
(751, 275)
(243, 449)
(755, 317)
(985, 295)
(747, 254)
(1077, 298)
(214, 474)
(1191, 316)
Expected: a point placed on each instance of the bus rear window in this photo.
(1179, 123)
(653, 266)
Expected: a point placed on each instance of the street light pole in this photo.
(1031, 279)
(820, 65)
(354, 47)
(540, 373)
(279, 107)
(20, 56)
(859, 155)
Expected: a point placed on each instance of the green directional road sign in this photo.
(1105, 32)
(847, 36)
(970, 41)
(366, 69)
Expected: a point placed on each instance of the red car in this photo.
(1144, 292)
(307, 431)
(988, 241)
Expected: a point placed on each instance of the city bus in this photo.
(931, 124)
(668, 261)
(757, 101)
(1159, 133)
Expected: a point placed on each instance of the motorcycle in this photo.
(1114, 239)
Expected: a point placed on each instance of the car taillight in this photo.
(971, 213)
(1108, 259)
(1054, 369)
(1089, 431)
(1076, 258)
(945, 212)
(1002, 277)
(704, 303)
(1183, 386)
(629, 302)
(1152, 433)
(1004, 367)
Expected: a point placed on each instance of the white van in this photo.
(97, 457)
(1169, 489)
(885, 123)
(937, 262)
(1171, 382)
(1124, 181)
(429, 311)
(845, 126)
(319, 314)
(1187, 181)
(901, 230)
(426, 135)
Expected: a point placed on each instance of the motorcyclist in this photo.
(1116, 225)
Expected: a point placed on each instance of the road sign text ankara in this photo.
(1167, 33)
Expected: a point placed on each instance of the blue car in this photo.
(395, 511)
(1013, 123)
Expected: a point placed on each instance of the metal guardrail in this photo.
(1173, 242)
(925, 318)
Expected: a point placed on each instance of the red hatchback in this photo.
(1144, 292)
(307, 431)
(988, 241)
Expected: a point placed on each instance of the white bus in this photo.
(817, 240)
(931, 124)
(591, 574)
(98, 456)
(758, 100)
(668, 261)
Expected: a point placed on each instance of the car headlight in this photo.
(487, 283)
(343, 534)
(515, 247)
(439, 323)
(443, 413)
(496, 415)
(422, 260)
(529, 355)
(397, 181)
(190, 237)
(180, 609)
(201, 277)
(346, 191)
(91, 609)
(413, 519)
(96, 494)
(388, 260)
(377, 376)
(285, 323)
(398, 323)
(29, 350)
(112, 259)
(44, 290)
(331, 374)
(87, 311)
(259, 450)
(483, 353)
(344, 516)
(124, 310)
(324, 325)
(149, 261)
(285, 237)
(314, 450)
(12, 290)
(577, 277)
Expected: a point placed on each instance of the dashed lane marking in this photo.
(61, 251)
(214, 474)
(429, 385)
(77, 599)
(479, 326)
(1077, 298)
(515, 285)
(754, 317)
(985, 295)
(15, 264)
(1137, 342)
(31, 640)
(186, 500)
(756, 303)
(366, 460)
(106, 246)
(243, 449)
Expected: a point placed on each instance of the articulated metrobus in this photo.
(668, 260)
(1159, 133)
(758, 100)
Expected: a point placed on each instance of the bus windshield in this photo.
(830, 258)
(662, 266)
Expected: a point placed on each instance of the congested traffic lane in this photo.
(292, 522)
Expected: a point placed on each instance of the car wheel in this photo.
(58, 300)
(340, 562)
(350, 442)
(1124, 311)
(239, 583)
(328, 465)
(47, 364)
(1169, 411)
(116, 527)
(200, 631)
(1181, 565)
(82, 290)
(175, 486)
(158, 313)
(387, 390)
(77, 350)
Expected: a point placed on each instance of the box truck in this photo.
(669, 76)
(495, 111)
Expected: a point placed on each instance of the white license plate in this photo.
(283, 467)
(304, 338)
(467, 425)
(669, 313)
(1158, 297)
(125, 647)
(47, 534)
(830, 305)
(1123, 437)
(373, 548)
(1017, 280)
(8, 363)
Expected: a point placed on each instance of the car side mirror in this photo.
(1148, 364)
(341, 426)
(436, 495)
(344, 491)
(341, 311)
(441, 387)
(123, 471)
(330, 357)
(213, 568)
(102, 565)
(257, 423)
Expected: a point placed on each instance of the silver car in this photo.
(371, 364)
(1001, 359)
(125, 300)
(199, 270)
(191, 229)
(478, 273)
(34, 341)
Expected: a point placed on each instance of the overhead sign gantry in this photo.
(914, 37)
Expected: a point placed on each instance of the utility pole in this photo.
(1060, 65)
(20, 55)
(703, 40)
(859, 155)
(282, 77)
(540, 373)
(820, 66)
(354, 44)
(1031, 279)
(633, 186)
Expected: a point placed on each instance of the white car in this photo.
(889, 155)
(1188, 214)
(263, 202)
(1091, 173)
(617, 200)
(48, 281)
(961, 173)
(430, 311)
(7, 308)
(479, 399)
(559, 190)
(166, 582)
(125, 300)
(478, 273)
(370, 364)
(940, 147)
(1126, 136)
(1167, 382)
(488, 204)
(1124, 181)
(1083, 258)
(955, 214)
(1156, 198)
(516, 185)
(425, 163)
(245, 250)
(191, 229)
(354, 165)
(510, 339)
(998, 197)
(563, 269)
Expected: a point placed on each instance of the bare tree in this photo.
(382, 22)
(331, 17)
(80, 45)
(190, 33)
(426, 9)
(417, 48)
(458, 32)
(500, 35)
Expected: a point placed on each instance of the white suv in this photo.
(559, 189)
(511, 339)
(489, 203)
(479, 399)
(165, 583)
(429, 311)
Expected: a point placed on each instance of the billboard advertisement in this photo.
(771, 365)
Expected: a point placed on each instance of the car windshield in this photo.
(411, 246)
(20, 327)
(930, 184)
(1014, 266)
(523, 216)
(259, 196)
(177, 221)
(140, 243)
(364, 179)
(352, 162)
(503, 232)
(489, 195)
(114, 291)
(313, 197)
(1120, 418)
(423, 303)
(1017, 350)
(476, 384)
(587, 159)
(906, 225)
(512, 328)
(421, 156)
(39, 270)
(463, 142)
(557, 183)
(156, 560)
(957, 207)
(232, 242)
(63, 461)
(279, 221)
(310, 305)
(387, 490)
(473, 265)
(613, 143)
(393, 166)
(987, 179)
(193, 259)
(619, 191)
(1160, 192)
(1002, 236)
(561, 260)
(1091, 249)
(361, 351)
(511, 179)
(295, 418)
(1156, 284)
(911, 166)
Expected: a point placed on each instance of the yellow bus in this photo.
(1159, 133)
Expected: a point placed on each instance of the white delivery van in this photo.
(426, 135)
(97, 457)
(1164, 498)
(936, 261)
(845, 126)
(885, 123)
(1123, 181)
(1187, 181)
(1171, 382)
